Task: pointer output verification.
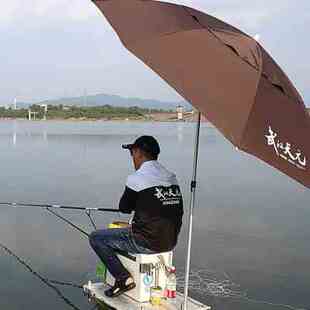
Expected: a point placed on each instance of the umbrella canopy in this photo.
(224, 73)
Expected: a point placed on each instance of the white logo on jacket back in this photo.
(168, 196)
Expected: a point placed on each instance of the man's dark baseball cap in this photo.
(147, 144)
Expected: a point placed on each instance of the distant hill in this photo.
(113, 100)
(117, 101)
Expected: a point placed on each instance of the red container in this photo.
(171, 286)
(171, 294)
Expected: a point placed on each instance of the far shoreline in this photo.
(92, 120)
(160, 118)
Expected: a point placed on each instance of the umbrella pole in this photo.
(191, 209)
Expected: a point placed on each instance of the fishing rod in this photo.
(50, 207)
(17, 204)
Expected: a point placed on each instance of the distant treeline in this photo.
(67, 112)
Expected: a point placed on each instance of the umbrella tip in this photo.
(257, 37)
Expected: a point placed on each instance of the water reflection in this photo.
(251, 221)
(14, 133)
(38, 135)
(45, 135)
(180, 132)
(14, 138)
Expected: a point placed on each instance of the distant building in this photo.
(44, 106)
(15, 104)
(32, 115)
(180, 113)
(12, 105)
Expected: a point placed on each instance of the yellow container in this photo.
(156, 296)
(118, 225)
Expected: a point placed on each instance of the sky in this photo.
(63, 48)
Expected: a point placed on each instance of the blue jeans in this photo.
(106, 241)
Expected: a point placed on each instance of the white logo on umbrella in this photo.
(285, 151)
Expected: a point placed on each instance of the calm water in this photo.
(251, 236)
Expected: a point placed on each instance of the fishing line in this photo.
(49, 207)
(88, 213)
(66, 284)
(45, 280)
(68, 222)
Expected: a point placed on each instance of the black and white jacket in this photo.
(153, 193)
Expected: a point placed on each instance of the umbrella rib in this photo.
(251, 111)
(156, 37)
(207, 28)
(236, 54)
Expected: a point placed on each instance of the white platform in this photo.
(123, 302)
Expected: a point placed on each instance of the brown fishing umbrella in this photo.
(226, 75)
(222, 72)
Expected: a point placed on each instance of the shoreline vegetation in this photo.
(95, 113)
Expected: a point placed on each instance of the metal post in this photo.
(191, 209)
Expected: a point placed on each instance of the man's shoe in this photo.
(120, 287)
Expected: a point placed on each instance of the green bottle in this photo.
(101, 271)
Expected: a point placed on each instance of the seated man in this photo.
(154, 195)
